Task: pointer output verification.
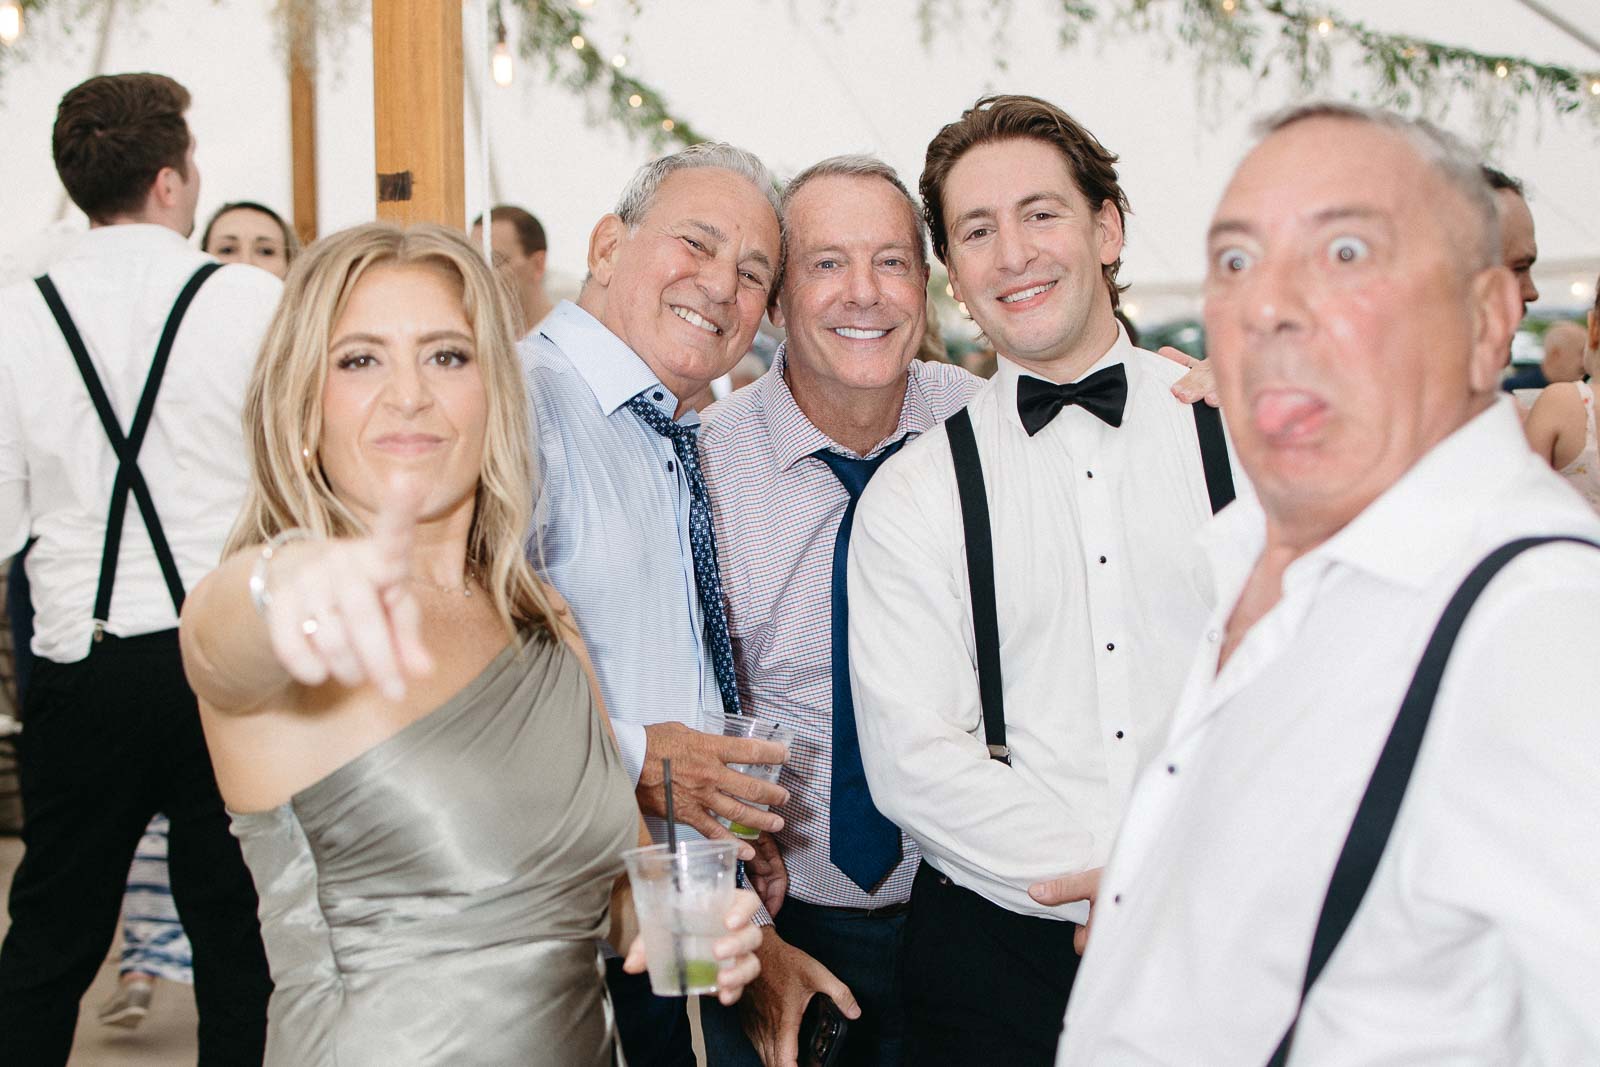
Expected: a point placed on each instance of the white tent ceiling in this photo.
(776, 77)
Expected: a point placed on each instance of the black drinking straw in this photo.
(672, 824)
(677, 883)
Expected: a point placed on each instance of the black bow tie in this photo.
(1102, 393)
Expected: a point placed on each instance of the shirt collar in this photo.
(124, 238)
(613, 371)
(794, 436)
(1008, 371)
(1450, 487)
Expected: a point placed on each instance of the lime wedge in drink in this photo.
(699, 973)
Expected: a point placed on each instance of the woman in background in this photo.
(247, 232)
(1561, 427)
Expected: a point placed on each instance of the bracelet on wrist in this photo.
(259, 596)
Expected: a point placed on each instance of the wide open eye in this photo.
(1232, 261)
(1348, 249)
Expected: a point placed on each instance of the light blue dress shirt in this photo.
(611, 527)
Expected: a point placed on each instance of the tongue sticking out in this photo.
(1283, 415)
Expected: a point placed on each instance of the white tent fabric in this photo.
(778, 78)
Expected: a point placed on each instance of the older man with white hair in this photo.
(1305, 873)
(679, 277)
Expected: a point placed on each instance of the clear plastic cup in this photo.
(760, 730)
(682, 898)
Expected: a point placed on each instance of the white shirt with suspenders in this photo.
(58, 468)
(1101, 596)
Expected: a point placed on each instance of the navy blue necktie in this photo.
(862, 843)
(702, 545)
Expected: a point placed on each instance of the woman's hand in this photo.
(345, 609)
(736, 952)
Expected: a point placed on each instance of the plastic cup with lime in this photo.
(682, 897)
(759, 730)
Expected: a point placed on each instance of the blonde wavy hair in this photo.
(283, 408)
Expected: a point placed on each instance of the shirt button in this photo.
(1117, 899)
(658, 396)
(1172, 768)
(1212, 635)
(1110, 646)
(1119, 735)
(671, 466)
(1102, 559)
(1089, 473)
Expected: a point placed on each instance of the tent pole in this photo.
(417, 103)
(303, 118)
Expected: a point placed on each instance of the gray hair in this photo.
(854, 166)
(640, 192)
(1448, 155)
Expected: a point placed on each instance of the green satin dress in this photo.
(439, 898)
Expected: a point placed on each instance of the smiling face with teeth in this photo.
(854, 291)
(687, 287)
(1026, 254)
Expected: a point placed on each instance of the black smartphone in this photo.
(822, 1031)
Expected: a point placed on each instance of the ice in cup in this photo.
(760, 730)
(683, 897)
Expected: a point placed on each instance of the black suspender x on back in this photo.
(1380, 804)
(129, 479)
(980, 550)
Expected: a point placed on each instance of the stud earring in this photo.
(305, 453)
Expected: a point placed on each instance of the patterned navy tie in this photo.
(862, 843)
(702, 544)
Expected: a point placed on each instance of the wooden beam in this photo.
(417, 87)
(303, 123)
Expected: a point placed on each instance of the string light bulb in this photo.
(668, 125)
(1230, 6)
(1580, 289)
(1501, 70)
(10, 22)
(501, 66)
(635, 100)
(1594, 87)
(578, 42)
(1324, 26)
(619, 61)
(585, 3)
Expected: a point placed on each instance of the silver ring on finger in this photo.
(309, 627)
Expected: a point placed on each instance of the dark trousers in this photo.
(982, 984)
(654, 1030)
(862, 949)
(108, 742)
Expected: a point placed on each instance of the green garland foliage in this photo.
(1258, 37)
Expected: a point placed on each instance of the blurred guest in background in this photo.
(519, 250)
(1561, 428)
(247, 232)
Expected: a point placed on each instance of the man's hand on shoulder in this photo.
(776, 1001)
(1200, 382)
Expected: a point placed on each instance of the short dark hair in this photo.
(1499, 180)
(530, 233)
(291, 243)
(113, 135)
(1014, 117)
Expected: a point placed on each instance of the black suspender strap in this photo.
(980, 579)
(128, 479)
(1375, 816)
(1214, 455)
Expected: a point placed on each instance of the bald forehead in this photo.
(1331, 164)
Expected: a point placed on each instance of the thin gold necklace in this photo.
(465, 588)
